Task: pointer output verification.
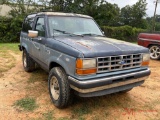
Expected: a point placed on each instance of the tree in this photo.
(157, 23)
(134, 15)
(107, 14)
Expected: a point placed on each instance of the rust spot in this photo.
(84, 45)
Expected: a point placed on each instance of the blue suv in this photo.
(79, 58)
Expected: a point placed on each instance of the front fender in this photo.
(65, 61)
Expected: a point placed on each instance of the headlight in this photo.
(86, 66)
(145, 59)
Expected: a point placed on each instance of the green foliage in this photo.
(134, 15)
(157, 26)
(105, 14)
(27, 104)
(150, 22)
(9, 29)
(126, 33)
(12, 25)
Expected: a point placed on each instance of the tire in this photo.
(28, 64)
(59, 88)
(125, 91)
(154, 52)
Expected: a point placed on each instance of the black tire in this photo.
(28, 64)
(64, 98)
(154, 52)
(125, 91)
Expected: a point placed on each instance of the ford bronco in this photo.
(79, 58)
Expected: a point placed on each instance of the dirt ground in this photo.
(141, 103)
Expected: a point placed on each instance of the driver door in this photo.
(36, 50)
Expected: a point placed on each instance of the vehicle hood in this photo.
(101, 46)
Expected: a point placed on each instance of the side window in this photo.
(40, 27)
(27, 25)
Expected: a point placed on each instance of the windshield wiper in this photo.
(64, 32)
(92, 34)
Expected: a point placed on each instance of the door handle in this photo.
(48, 51)
(39, 39)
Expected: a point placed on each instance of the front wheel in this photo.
(154, 52)
(59, 88)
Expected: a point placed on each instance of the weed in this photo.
(80, 111)
(27, 104)
(48, 115)
(63, 118)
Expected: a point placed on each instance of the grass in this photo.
(7, 61)
(37, 83)
(48, 115)
(63, 118)
(9, 46)
(27, 104)
(37, 75)
(82, 110)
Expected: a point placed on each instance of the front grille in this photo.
(114, 63)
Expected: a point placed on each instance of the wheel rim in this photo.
(154, 52)
(54, 87)
(24, 60)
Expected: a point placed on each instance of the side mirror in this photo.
(32, 33)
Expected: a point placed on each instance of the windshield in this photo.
(60, 25)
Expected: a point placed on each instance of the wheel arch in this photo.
(24, 46)
(55, 64)
(152, 45)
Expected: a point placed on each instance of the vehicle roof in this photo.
(59, 14)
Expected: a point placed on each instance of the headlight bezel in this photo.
(86, 66)
(86, 63)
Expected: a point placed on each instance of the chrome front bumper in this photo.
(94, 85)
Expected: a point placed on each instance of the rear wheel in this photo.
(28, 63)
(154, 52)
(59, 88)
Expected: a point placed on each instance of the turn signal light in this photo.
(79, 64)
(145, 63)
(85, 72)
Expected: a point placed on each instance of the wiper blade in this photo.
(92, 34)
(64, 32)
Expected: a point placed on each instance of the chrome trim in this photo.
(108, 78)
(107, 61)
(149, 40)
(108, 86)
